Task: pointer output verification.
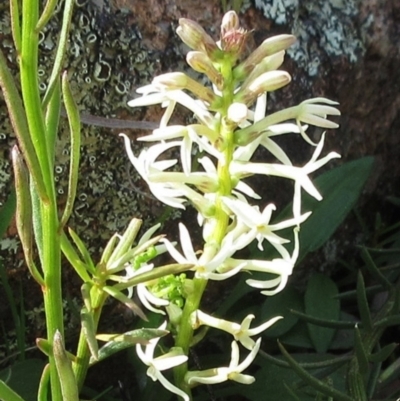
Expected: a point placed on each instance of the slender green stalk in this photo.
(193, 300)
(48, 213)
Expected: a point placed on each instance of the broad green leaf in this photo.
(23, 377)
(340, 188)
(8, 394)
(280, 305)
(320, 302)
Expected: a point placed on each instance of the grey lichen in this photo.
(106, 61)
(324, 29)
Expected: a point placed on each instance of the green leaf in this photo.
(340, 188)
(8, 394)
(362, 303)
(120, 342)
(280, 305)
(312, 381)
(383, 353)
(24, 379)
(69, 386)
(320, 302)
(89, 331)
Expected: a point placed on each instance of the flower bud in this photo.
(179, 80)
(200, 62)
(196, 37)
(269, 63)
(237, 113)
(230, 21)
(270, 46)
(267, 82)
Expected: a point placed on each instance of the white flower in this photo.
(189, 135)
(163, 362)
(147, 167)
(298, 174)
(152, 94)
(233, 372)
(282, 267)
(316, 114)
(241, 332)
(258, 223)
(146, 297)
(209, 261)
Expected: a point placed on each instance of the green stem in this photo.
(185, 331)
(47, 213)
(81, 366)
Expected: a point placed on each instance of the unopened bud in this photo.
(269, 63)
(267, 82)
(270, 46)
(200, 62)
(196, 37)
(230, 21)
(179, 80)
(237, 113)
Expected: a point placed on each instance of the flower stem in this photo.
(185, 332)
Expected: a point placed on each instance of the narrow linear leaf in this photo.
(73, 258)
(373, 269)
(61, 51)
(108, 250)
(361, 353)
(89, 331)
(20, 126)
(85, 291)
(383, 353)
(52, 119)
(162, 271)
(119, 296)
(43, 391)
(24, 212)
(69, 387)
(15, 25)
(46, 15)
(323, 322)
(75, 131)
(388, 321)
(83, 251)
(362, 303)
(312, 381)
(126, 240)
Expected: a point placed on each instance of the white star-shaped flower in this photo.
(258, 222)
(233, 372)
(160, 363)
(206, 265)
(241, 332)
(298, 174)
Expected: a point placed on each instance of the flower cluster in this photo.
(231, 125)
